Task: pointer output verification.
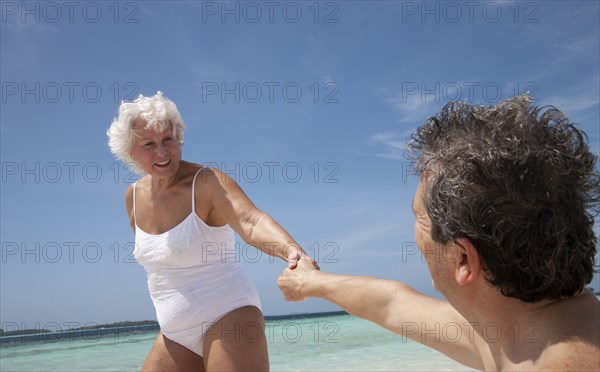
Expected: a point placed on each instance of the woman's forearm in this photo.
(271, 238)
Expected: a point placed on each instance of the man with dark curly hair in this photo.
(504, 215)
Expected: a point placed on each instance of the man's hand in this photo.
(292, 282)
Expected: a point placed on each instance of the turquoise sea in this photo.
(326, 343)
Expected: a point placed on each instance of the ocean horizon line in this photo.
(124, 327)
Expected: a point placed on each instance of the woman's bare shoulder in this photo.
(129, 190)
(207, 177)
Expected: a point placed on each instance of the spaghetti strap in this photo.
(193, 191)
(134, 220)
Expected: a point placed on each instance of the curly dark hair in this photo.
(521, 184)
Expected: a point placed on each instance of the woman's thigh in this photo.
(167, 355)
(237, 342)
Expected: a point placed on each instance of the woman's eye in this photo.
(169, 139)
(148, 144)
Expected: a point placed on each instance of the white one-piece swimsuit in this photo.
(194, 278)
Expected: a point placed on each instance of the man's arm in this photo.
(392, 305)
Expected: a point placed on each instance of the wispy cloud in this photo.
(573, 105)
(370, 233)
(564, 54)
(24, 38)
(389, 145)
(581, 103)
(16, 24)
(411, 108)
(579, 98)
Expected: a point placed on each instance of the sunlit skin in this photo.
(151, 149)
(162, 202)
(434, 253)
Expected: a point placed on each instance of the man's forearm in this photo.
(362, 296)
(393, 305)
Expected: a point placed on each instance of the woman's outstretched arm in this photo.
(254, 226)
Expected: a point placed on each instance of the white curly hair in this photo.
(157, 111)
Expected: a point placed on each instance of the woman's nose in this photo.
(161, 149)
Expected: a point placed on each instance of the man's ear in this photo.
(468, 262)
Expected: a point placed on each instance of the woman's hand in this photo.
(296, 256)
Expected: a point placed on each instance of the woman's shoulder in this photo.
(208, 179)
(202, 172)
(189, 170)
(129, 197)
(135, 183)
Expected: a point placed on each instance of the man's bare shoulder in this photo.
(577, 355)
(573, 342)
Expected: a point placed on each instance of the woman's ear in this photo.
(468, 262)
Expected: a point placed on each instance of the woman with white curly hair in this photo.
(184, 216)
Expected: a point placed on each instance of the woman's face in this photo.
(157, 153)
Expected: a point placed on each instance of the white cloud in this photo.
(575, 104)
(411, 108)
(21, 42)
(389, 145)
(371, 233)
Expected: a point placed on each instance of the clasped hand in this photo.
(292, 281)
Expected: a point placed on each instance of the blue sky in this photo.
(307, 105)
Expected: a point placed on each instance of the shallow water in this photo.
(332, 343)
